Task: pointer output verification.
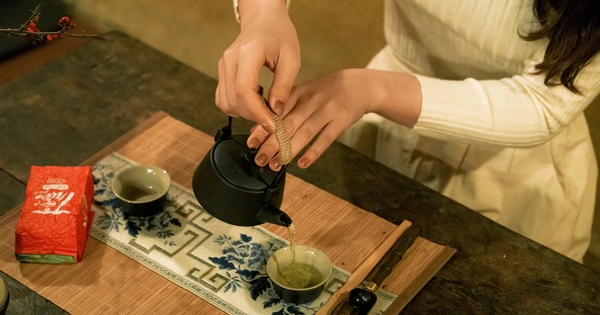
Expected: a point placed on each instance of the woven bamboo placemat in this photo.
(108, 282)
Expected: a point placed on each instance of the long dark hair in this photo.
(573, 30)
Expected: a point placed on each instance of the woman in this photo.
(482, 101)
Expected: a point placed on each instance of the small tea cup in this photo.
(142, 189)
(4, 297)
(315, 266)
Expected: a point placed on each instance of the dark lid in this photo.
(235, 161)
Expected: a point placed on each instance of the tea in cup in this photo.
(142, 189)
(299, 277)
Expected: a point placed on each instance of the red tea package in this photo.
(56, 215)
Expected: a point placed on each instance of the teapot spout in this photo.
(272, 214)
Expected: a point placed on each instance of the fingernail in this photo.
(303, 162)
(261, 159)
(278, 108)
(267, 128)
(276, 164)
(253, 143)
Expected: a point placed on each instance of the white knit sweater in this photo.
(497, 100)
(519, 151)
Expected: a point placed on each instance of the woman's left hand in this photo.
(326, 106)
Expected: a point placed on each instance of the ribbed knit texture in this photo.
(465, 43)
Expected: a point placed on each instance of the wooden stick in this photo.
(363, 270)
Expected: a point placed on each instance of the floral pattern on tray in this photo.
(223, 264)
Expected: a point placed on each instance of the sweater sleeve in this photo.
(519, 111)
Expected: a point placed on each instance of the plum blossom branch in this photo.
(30, 30)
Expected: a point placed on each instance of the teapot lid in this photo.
(235, 161)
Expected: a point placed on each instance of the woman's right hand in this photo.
(267, 38)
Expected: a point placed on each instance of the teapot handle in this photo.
(224, 132)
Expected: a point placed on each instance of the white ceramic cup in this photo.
(142, 189)
(318, 262)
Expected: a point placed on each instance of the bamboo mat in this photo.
(108, 282)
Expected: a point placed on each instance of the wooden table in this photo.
(73, 107)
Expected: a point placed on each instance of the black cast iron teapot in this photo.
(232, 188)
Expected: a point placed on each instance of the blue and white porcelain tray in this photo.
(223, 264)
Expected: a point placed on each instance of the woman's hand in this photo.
(326, 106)
(267, 38)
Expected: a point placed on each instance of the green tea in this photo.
(292, 233)
(300, 275)
(138, 193)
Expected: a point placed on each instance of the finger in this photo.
(309, 126)
(267, 151)
(324, 123)
(323, 141)
(257, 137)
(217, 97)
(283, 80)
(227, 72)
(302, 122)
(247, 85)
(220, 99)
(270, 146)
